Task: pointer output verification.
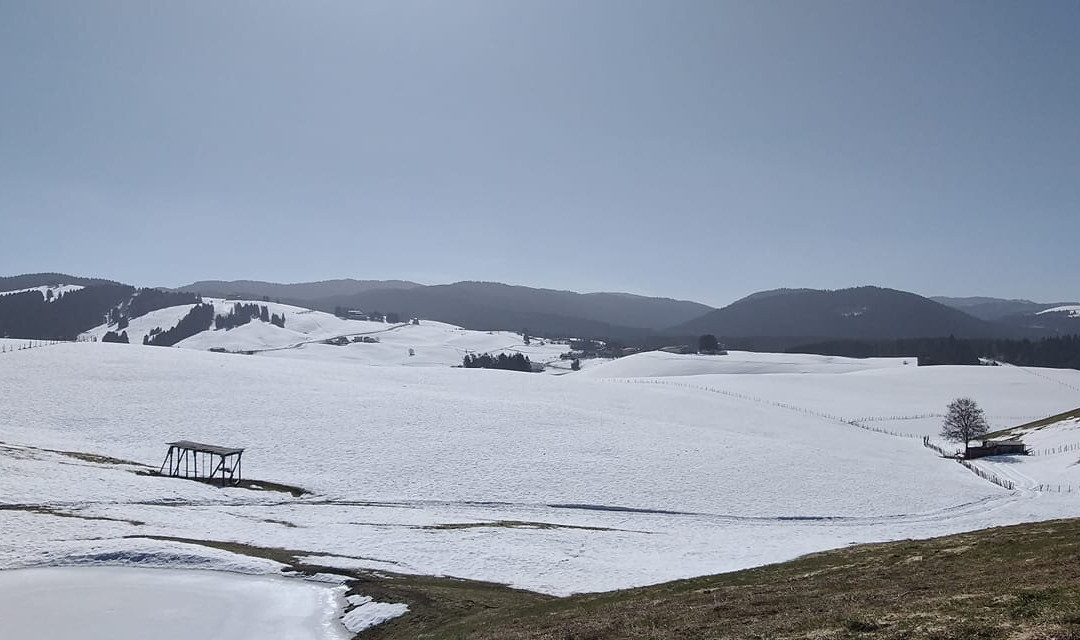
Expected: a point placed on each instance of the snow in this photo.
(662, 364)
(57, 290)
(99, 603)
(368, 613)
(1072, 310)
(611, 477)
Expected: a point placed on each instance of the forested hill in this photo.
(34, 315)
(31, 280)
(866, 313)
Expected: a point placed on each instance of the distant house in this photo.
(355, 314)
(997, 448)
(681, 349)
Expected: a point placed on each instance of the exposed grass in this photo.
(1009, 583)
(511, 524)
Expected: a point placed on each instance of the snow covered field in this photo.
(635, 471)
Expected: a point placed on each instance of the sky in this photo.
(696, 150)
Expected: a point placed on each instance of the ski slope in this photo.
(579, 482)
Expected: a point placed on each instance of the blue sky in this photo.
(699, 150)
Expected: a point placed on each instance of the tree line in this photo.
(516, 362)
(1061, 352)
(241, 314)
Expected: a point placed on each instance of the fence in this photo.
(1057, 488)
(1065, 448)
(930, 445)
(990, 477)
(29, 344)
(985, 475)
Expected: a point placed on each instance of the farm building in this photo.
(997, 448)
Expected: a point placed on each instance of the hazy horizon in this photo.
(693, 150)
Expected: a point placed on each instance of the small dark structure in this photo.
(198, 461)
(997, 448)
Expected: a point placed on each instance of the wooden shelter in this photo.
(198, 461)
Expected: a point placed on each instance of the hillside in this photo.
(857, 313)
(489, 305)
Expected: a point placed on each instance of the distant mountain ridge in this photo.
(492, 305)
(299, 291)
(994, 309)
(855, 313)
(784, 316)
(1034, 316)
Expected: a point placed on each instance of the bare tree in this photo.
(964, 422)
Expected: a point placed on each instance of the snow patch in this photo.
(367, 613)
